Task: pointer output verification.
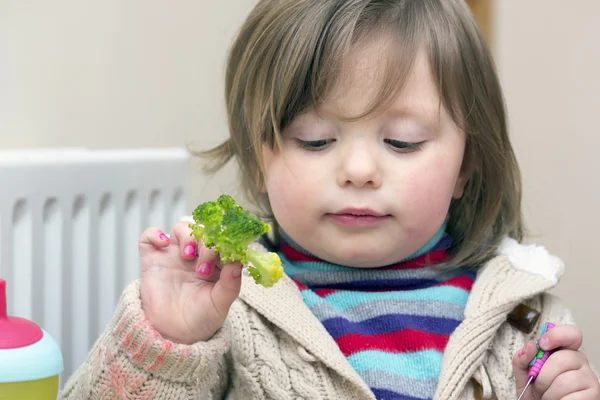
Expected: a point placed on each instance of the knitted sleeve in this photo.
(130, 360)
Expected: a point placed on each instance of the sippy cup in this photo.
(30, 360)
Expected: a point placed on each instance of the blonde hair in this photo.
(286, 58)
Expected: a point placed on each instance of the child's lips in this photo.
(358, 217)
(359, 212)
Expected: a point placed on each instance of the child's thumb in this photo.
(227, 288)
(520, 364)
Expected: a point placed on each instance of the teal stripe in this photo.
(425, 364)
(344, 299)
(311, 299)
(365, 274)
(292, 268)
(430, 244)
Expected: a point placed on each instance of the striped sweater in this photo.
(392, 323)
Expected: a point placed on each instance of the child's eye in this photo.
(404, 147)
(314, 145)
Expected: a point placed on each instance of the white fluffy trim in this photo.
(532, 258)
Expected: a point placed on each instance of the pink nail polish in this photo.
(162, 236)
(189, 250)
(205, 269)
(522, 351)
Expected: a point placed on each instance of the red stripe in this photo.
(462, 282)
(405, 341)
(324, 292)
(300, 285)
(294, 255)
(434, 257)
(319, 292)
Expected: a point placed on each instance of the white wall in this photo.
(127, 74)
(116, 74)
(548, 55)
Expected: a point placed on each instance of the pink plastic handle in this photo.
(3, 308)
(535, 369)
(537, 366)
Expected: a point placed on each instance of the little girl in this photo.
(373, 133)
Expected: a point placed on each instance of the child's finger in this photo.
(181, 232)
(569, 382)
(558, 363)
(208, 270)
(563, 336)
(208, 266)
(227, 288)
(582, 395)
(155, 237)
(181, 235)
(520, 364)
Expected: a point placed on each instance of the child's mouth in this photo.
(358, 217)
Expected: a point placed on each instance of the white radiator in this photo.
(70, 220)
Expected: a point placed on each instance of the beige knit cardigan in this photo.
(272, 347)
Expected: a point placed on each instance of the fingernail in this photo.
(544, 343)
(525, 348)
(190, 250)
(237, 272)
(205, 269)
(162, 236)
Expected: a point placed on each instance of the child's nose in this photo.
(359, 167)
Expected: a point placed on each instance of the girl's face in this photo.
(372, 192)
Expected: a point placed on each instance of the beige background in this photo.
(144, 73)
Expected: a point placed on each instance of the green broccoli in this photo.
(228, 229)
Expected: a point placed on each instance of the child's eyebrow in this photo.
(307, 118)
(431, 115)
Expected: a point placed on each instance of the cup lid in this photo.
(15, 332)
(41, 360)
(27, 352)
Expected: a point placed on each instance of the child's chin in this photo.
(367, 255)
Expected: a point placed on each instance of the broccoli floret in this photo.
(256, 262)
(229, 229)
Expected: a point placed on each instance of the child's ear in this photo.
(262, 187)
(259, 180)
(459, 189)
(466, 172)
(259, 175)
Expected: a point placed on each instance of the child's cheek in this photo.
(289, 191)
(426, 199)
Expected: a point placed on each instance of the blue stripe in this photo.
(293, 267)
(384, 394)
(339, 327)
(424, 364)
(342, 300)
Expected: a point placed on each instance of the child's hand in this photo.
(186, 294)
(565, 375)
